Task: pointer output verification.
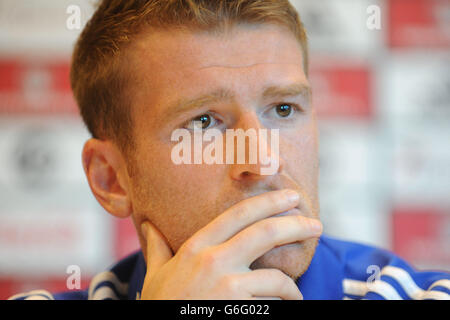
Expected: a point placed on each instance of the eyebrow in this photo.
(292, 90)
(183, 105)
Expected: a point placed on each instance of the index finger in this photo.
(158, 251)
(243, 214)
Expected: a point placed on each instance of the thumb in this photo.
(158, 251)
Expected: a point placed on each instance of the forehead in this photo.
(173, 63)
(241, 45)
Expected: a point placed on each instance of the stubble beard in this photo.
(292, 259)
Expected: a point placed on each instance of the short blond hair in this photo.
(98, 72)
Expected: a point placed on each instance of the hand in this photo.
(214, 262)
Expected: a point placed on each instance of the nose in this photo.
(260, 150)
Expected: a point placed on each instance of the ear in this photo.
(106, 171)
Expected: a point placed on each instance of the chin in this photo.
(293, 259)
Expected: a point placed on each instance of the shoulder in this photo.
(46, 295)
(354, 255)
(375, 273)
(121, 282)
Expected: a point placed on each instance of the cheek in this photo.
(176, 198)
(299, 149)
(189, 201)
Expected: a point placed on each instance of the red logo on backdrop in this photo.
(419, 23)
(35, 87)
(342, 91)
(126, 240)
(421, 236)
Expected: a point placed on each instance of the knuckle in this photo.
(303, 221)
(270, 229)
(276, 198)
(230, 284)
(210, 260)
(277, 274)
(282, 281)
(287, 282)
(242, 212)
(308, 223)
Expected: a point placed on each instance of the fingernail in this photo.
(292, 195)
(316, 225)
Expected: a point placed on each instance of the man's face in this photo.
(173, 67)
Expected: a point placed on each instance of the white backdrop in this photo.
(384, 109)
